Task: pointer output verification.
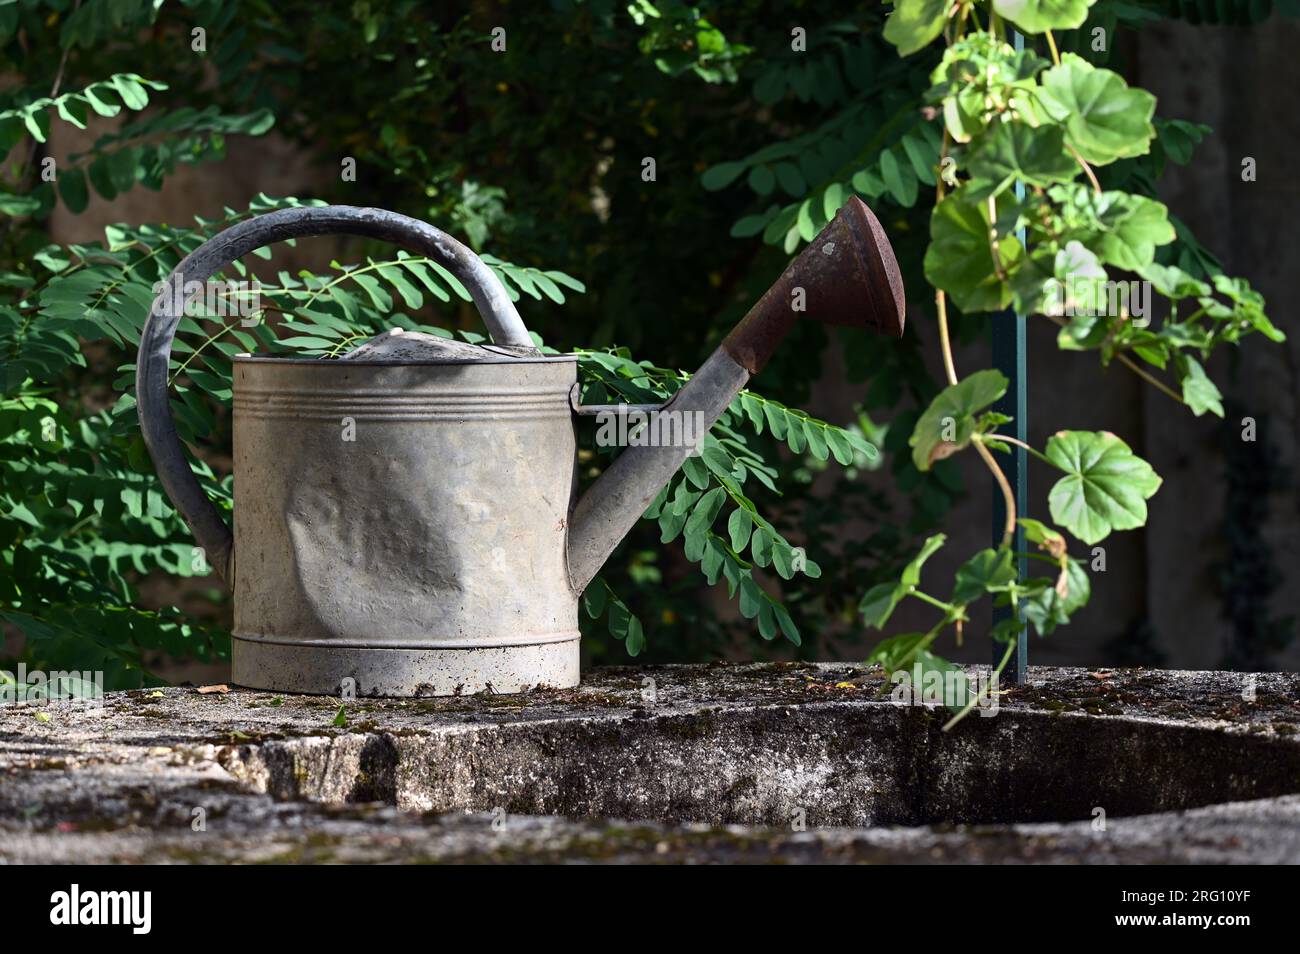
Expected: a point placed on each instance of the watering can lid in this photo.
(397, 344)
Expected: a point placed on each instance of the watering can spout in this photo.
(846, 276)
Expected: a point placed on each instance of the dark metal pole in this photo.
(1009, 358)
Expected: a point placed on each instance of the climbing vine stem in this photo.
(1022, 223)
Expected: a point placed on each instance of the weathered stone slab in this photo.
(697, 763)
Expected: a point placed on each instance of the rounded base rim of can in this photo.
(427, 644)
(404, 672)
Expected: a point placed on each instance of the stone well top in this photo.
(792, 762)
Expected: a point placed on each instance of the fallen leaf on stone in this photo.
(42, 717)
(845, 685)
(207, 690)
(1101, 675)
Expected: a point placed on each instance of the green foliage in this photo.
(1014, 125)
(1038, 16)
(1016, 152)
(714, 483)
(880, 601)
(1018, 228)
(32, 119)
(950, 421)
(534, 155)
(1105, 488)
(913, 26)
(1103, 118)
(1041, 602)
(679, 39)
(983, 572)
(962, 261)
(86, 528)
(74, 108)
(101, 292)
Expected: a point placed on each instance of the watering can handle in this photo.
(154, 360)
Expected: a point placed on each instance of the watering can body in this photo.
(403, 525)
(406, 519)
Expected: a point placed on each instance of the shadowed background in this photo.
(536, 154)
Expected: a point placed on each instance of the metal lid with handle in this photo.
(154, 360)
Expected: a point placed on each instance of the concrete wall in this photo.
(1243, 83)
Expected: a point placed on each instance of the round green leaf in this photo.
(914, 24)
(1039, 16)
(635, 641)
(750, 225)
(833, 198)
(1106, 486)
(1136, 226)
(960, 259)
(1104, 119)
(133, 94)
(783, 559)
(595, 599)
(1013, 152)
(840, 445)
(985, 570)
(816, 435)
(922, 157)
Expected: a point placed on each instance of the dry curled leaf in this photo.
(1054, 545)
(1063, 583)
(943, 450)
(208, 690)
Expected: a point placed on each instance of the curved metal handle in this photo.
(154, 359)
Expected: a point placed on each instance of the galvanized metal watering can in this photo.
(440, 548)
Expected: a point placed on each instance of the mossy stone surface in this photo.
(780, 762)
